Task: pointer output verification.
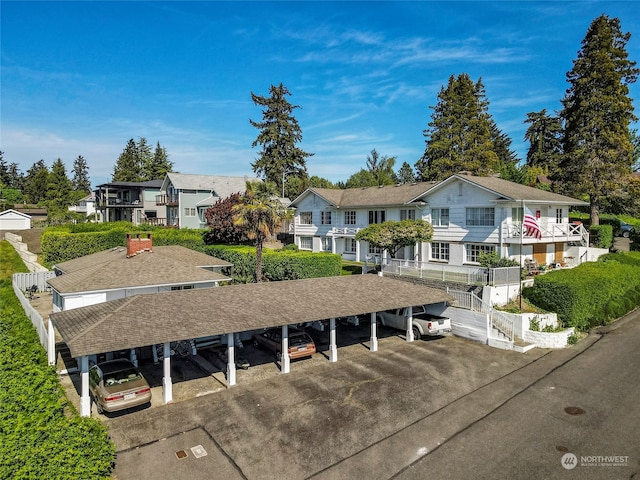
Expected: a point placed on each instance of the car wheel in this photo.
(255, 343)
(99, 408)
(416, 333)
(279, 356)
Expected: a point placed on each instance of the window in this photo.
(440, 217)
(306, 218)
(327, 244)
(474, 251)
(325, 218)
(376, 216)
(484, 217)
(517, 214)
(349, 245)
(306, 243)
(189, 212)
(407, 214)
(350, 217)
(181, 287)
(559, 215)
(440, 251)
(373, 249)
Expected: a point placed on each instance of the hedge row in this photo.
(601, 236)
(593, 293)
(41, 434)
(276, 264)
(60, 244)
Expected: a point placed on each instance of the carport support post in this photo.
(374, 333)
(409, 324)
(85, 399)
(286, 363)
(333, 347)
(167, 386)
(231, 360)
(51, 343)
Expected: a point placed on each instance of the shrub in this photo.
(41, 434)
(601, 236)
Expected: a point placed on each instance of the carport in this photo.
(161, 318)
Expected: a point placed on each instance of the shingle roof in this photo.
(221, 186)
(386, 195)
(516, 191)
(111, 269)
(162, 317)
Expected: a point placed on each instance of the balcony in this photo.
(162, 222)
(119, 203)
(552, 232)
(168, 200)
(344, 231)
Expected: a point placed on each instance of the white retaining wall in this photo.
(549, 340)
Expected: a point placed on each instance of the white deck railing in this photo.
(497, 319)
(453, 273)
(557, 232)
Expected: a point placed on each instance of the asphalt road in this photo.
(446, 408)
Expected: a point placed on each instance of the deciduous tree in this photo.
(392, 236)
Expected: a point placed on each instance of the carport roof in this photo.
(163, 317)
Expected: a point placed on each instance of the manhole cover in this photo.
(181, 454)
(574, 410)
(562, 448)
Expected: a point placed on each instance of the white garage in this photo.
(14, 220)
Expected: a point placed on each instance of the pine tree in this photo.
(279, 134)
(128, 167)
(58, 187)
(158, 165)
(597, 112)
(36, 182)
(80, 181)
(544, 135)
(405, 174)
(459, 136)
(4, 171)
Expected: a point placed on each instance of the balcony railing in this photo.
(170, 200)
(552, 232)
(162, 222)
(119, 202)
(344, 230)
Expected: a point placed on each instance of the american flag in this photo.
(531, 228)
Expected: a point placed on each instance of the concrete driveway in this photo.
(349, 419)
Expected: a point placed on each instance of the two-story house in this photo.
(186, 197)
(129, 201)
(470, 216)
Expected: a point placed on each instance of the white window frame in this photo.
(350, 217)
(437, 215)
(480, 217)
(325, 217)
(350, 245)
(306, 243)
(377, 216)
(327, 244)
(472, 251)
(407, 214)
(189, 212)
(559, 215)
(306, 218)
(440, 251)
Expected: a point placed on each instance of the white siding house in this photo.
(14, 220)
(470, 215)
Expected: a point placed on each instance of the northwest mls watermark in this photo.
(570, 461)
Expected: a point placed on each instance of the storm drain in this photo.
(181, 454)
(198, 452)
(574, 410)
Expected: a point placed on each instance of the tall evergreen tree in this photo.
(4, 170)
(80, 181)
(597, 112)
(58, 187)
(379, 171)
(459, 136)
(279, 134)
(36, 182)
(158, 165)
(128, 167)
(16, 178)
(406, 174)
(544, 135)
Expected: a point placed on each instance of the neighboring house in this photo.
(14, 220)
(86, 206)
(186, 197)
(470, 216)
(135, 269)
(130, 201)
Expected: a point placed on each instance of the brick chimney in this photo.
(136, 245)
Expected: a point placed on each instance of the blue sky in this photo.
(82, 78)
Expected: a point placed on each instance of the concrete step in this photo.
(519, 345)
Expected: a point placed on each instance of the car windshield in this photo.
(302, 339)
(121, 376)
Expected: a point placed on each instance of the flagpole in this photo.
(521, 252)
